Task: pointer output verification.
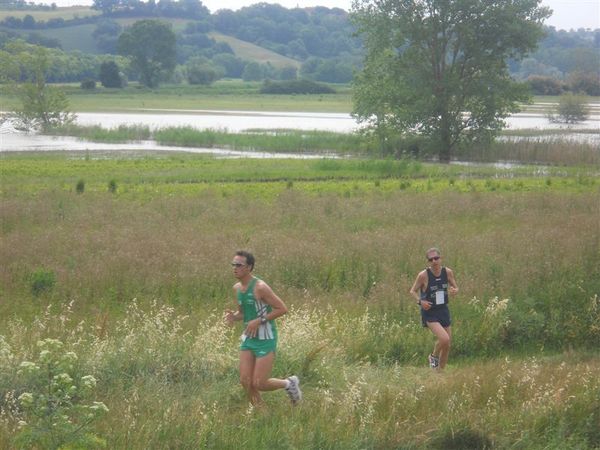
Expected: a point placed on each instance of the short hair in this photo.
(249, 257)
(433, 249)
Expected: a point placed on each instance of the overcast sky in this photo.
(567, 13)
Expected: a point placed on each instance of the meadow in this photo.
(222, 95)
(116, 267)
(225, 94)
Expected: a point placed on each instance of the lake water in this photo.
(238, 121)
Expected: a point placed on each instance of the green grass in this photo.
(223, 95)
(66, 13)
(132, 274)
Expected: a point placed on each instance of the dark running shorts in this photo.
(439, 314)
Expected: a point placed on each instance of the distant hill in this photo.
(79, 37)
(252, 52)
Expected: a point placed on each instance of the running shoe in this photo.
(293, 390)
(434, 361)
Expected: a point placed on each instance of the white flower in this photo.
(26, 399)
(88, 381)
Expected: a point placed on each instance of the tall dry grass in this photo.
(166, 387)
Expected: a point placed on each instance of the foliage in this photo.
(42, 106)
(585, 83)
(295, 87)
(106, 35)
(151, 46)
(541, 85)
(42, 280)
(253, 72)
(439, 68)
(297, 33)
(165, 8)
(336, 70)
(55, 415)
(571, 108)
(88, 83)
(110, 76)
(201, 71)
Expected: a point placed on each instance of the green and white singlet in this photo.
(253, 308)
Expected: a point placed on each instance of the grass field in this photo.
(125, 260)
(223, 95)
(66, 13)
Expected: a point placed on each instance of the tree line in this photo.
(323, 40)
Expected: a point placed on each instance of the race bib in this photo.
(439, 297)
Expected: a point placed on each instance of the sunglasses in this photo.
(236, 265)
(434, 258)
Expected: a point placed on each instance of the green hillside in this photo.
(78, 37)
(66, 13)
(246, 50)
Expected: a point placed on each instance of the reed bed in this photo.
(133, 281)
(559, 150)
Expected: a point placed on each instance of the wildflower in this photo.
(28, 367)
(63, 378)
(26, 399)
(99, 407)
(88, 382)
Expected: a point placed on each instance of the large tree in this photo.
(439, 67)
(151, 46)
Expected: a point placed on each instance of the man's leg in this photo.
(247, 365)
(442, 345)
(262, 371)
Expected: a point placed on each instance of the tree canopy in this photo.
(439, 68)
(42, 106)
(151, 46)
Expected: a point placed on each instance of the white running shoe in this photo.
(434, 361)
(293, 390)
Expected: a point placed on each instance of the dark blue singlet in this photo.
(438, 312)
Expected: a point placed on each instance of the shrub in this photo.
(88, 83)
(571, 108)
(541, 85)
(112, 186)
(202, 74)
(109, 75)
(42, 280)
(80, 187)
(585, 83)
(53, 404)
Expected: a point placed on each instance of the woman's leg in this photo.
(442, 345)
